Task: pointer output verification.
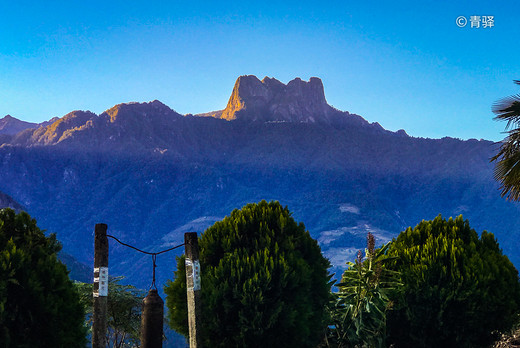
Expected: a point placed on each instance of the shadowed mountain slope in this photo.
(152, 174)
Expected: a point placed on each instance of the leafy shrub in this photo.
(359, 309)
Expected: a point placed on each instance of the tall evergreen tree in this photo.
(264, 282)
(39, 306)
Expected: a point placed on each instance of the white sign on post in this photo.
(101, 278)
(194, 275)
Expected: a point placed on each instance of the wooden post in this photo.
(193, 286)
(100, 293)
(152, 320)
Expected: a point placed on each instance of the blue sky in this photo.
(404, 64)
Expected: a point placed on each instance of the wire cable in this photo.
(154, 256)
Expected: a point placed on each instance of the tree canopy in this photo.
(458, 289)
(264, 282)
(39, 306)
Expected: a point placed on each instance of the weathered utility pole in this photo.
(100, 293)
(152, 320)
(191, 246)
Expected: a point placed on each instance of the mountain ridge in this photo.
(251, 100)
(146, 171)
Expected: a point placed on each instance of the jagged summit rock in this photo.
(271, 100)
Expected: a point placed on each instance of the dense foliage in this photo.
(123, 311)
(458, 289)
(264, 282)
(39, 306)
(359, 309)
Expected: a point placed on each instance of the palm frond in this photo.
(508, 109)
(507, 167)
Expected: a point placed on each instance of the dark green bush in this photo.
(264, 282)
(458, 289)
(39, 306)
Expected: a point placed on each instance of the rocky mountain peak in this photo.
(123, 112)
(271, 100)
(10, 125)
(271, 82)
(311, 91)
(63, 127)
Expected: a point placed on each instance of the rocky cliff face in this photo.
(271, 100)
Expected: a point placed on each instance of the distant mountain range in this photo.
(152, 174)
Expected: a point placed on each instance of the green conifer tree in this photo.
(458, 290)
(264, 282)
